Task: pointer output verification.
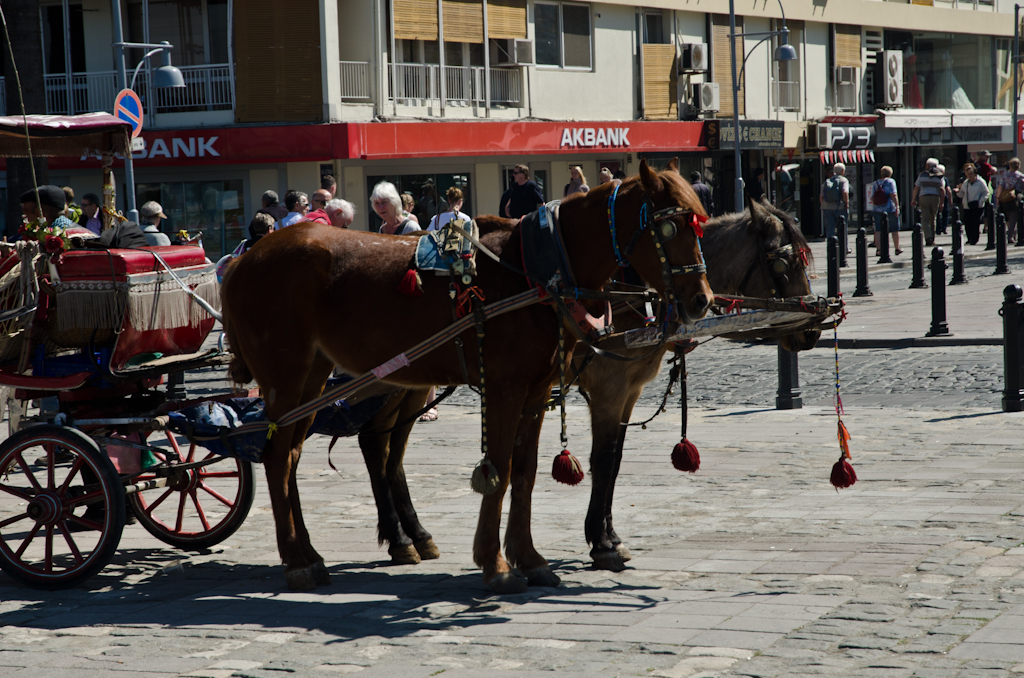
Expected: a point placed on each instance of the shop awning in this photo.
(846, 157)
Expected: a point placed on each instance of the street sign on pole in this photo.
(128, 107)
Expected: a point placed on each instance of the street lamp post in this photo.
(1016, 68)
(784, 52)
(164, 77)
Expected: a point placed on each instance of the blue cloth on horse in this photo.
(430, 255)
(217, 420)
(342, 419)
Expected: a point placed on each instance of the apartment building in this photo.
(434, 93)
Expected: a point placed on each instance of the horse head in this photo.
(780, 269)
(668, 255)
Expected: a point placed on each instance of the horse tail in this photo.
(238, 369)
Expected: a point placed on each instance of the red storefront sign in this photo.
(400, 140)
(1020, 131)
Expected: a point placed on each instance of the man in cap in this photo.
(50, 206)
(985, 168)
(152, 214)
(273, 206)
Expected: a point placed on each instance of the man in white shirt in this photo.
(298, 205)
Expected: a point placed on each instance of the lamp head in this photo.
(785, 51)
(167, 76)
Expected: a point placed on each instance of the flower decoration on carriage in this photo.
(53, 239)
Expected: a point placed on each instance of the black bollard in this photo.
(917, 258)
(883, 242)
(958, 254)
(917, 216)
(954, 213)
(938, 266)
(990, 227)
(788, 395)
(842, 232)
(1013, 336)
(862, 265)
(1001, 267)
(833, 266)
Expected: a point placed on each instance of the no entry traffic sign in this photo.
(127, 107)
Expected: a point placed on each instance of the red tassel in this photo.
(567, 469)
(685, 456)
(411, 285)
(843, 475)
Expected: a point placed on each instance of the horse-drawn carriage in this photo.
(88, 335)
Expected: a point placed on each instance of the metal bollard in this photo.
(833, 266)
(917, 215)
(954, 213)
(788, 396)
(883, 242)
(1001, 267)
(958, 255)
(990, 227)
(844, 238)
(862, 265)
(938, 266)
(917, 258)
(1013, 324)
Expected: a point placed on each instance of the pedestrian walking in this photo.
(942, 218)
(985, 168)
(329, 184)
(1008, 196)
(605, 175)
(834, 198)
(526, 195)
(577, 182)
(388, 206)
(455, 200)
(973, 195)
(928, 195)
(298, 205)
(271, 204)
(339, 213)
(886, 209)
(408, 206)
(319, 199)
(703, 192)
(756, 189)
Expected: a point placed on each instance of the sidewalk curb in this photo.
(911, 342)
(851, 268)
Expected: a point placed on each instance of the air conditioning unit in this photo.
(819, 135)
(694, 58)
(705, 97)
(845, 75)
(892, 78)
(514, 52)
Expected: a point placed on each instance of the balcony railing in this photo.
(788, 96)
(207, 88)
(355, 81)
(464, 85)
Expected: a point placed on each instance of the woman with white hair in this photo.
(388, 206)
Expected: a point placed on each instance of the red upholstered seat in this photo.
(116, 264)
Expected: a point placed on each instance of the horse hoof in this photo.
(427, 549)
(623, 552)
(403, 555)
(300, 579)
(507, 583)
(607, 559)
(320, 574)
(542, 576)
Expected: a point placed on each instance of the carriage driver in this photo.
(51, 206)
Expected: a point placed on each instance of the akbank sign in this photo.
(180, 147)
(589, 137)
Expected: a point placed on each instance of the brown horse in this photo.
(308, 298)
(741, 251)
(737, 248)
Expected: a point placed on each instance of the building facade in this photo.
(435, 93)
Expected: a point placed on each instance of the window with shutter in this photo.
(415, 19)
(721, 54)
(506, 19)
(660, 83)
(463, 20)
(848, 46)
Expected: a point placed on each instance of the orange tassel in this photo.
(844, 439)
(567, 469)
(411, 285)
(685, 456)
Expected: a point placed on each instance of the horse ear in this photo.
(673, 165)
(650, 180)
(757, 213)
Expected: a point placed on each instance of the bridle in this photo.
(776, 264)
(663, 227)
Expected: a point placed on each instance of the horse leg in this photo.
(503, 413)
(376, 453)
(605, 456)
(421, 539)
(518, 536)
(620, 548)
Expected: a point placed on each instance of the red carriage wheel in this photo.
(200, 507)
(62, 507)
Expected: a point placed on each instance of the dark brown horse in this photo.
(741, 251)
(737, 248)
(308, 298)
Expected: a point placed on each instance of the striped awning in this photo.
(846, 157)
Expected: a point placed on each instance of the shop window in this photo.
(214, 208)
(563, 35)
(428, 193)
(944, 70)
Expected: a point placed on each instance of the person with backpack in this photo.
(834, 198)
(886, 209)
(928, 193)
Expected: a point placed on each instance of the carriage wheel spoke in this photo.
(28, 540)
(48, 558)
(89, 524)
(71, 542)
(28, 472)
(191, 452)
(174, 445)
(152, 507)
(11, 521)
(181, 512)
(78, 501)
(217, 495)
(199, 510)
(75, 468)
(17, 492)
(51, 450)
(221, 474)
